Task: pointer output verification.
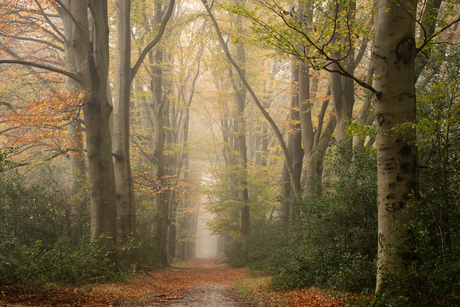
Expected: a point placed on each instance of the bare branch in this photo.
(6, 104)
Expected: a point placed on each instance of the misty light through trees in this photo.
(315, 141)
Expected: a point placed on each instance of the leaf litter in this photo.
(201, 283)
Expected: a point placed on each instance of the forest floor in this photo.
(202, 283)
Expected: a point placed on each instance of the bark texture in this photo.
(394, 56)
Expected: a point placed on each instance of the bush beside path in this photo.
(203, 283)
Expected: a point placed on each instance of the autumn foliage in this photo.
(36, 106)
(41, 122)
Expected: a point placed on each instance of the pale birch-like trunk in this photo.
(394, 58)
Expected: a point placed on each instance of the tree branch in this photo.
(6, 104)
(73, 76)
(256, 100)
(8, 129)
(69, 13)
(37, 41)
(321, 115)
(154, 41)
(52, 25)
(432, 36)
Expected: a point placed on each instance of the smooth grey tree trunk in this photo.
(126, 208)
(89, 44)
(343, 88)
(77, 159)
(314, 143)
(364, 116)
(394, 56)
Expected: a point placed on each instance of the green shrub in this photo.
(60, 262)
(265, 240)
(45, 235)
(38, 211)
(333, 242)
(333, 245)
(146, 258)
(235, 255)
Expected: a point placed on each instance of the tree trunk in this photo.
(77, 159)
(314, 143)
(342, 88)
(294, 144)
(160, 221)
(394, 56)
(91, 51)
(364, 118)
(242, 149)
(126, 208)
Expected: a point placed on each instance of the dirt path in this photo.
(202, 283)
(219, 294)
(196, 283)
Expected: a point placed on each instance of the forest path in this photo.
(215, 295)
(200, 283)
(203, 283)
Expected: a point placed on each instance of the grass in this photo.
(176, 263)
(258, 290)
